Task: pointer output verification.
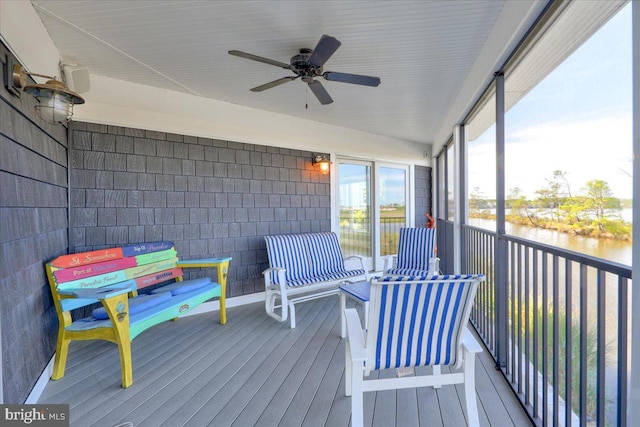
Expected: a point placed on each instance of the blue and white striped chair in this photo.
(413, 322)
(416, 254)
(303, 267)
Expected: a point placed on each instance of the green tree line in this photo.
(592, 211)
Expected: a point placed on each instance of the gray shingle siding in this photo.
(211, 197)
(33, 229)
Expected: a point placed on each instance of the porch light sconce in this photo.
(323, 161)
(55, 99)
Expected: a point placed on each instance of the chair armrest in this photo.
(352, 260)
(434, 266)
(202, 263)
(355, 335)
(99, 293)
(281, 277)
(469, 342)
(389, 262)
(268, 271)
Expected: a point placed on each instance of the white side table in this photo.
(359, 291)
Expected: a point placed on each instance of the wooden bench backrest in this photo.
(133, 266)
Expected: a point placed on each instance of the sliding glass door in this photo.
(393, 207)
(354, 199)
(372, 204)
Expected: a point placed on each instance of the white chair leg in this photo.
(285, 307)
(437, 370)
(357, 398)
(343, 323)
(347, 370)
(366, 315)
(269, 303)
(470, 389)
(292, 315)
(270, 307)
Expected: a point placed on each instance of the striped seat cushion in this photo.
(415, 247)
(325, 278)
(406, 272)
(341, 275)
(419, 323)
(289, 252)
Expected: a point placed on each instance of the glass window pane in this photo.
(481, 166)
(355, 209)
(393, 208)
(441, 187)
(451, 161)
(569, 148)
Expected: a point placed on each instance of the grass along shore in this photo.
(606, 228)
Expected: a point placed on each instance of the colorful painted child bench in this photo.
(113, 277)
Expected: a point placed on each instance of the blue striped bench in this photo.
(303, 267)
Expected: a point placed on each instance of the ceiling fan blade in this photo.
(273, 84)
(320, 92)
(259, 59)
(323, 51)
(351, 78)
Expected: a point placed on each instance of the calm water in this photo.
(609, 249)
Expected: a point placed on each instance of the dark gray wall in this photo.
(211, 197)
(33, 229)
(423, 194)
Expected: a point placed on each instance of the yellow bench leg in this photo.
(125, 364)
(222, 279)
(62, 351)
(118, 308)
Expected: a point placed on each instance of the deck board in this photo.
(256, 371)
(172, 375)
(429, 413)
(184, 374)
(281, 354)
(320, 407)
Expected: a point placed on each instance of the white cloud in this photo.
(597, 149)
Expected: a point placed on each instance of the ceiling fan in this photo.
(308, 64)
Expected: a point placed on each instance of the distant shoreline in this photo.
(616, 229)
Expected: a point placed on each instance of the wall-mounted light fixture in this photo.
(55, 99)
(323, 161)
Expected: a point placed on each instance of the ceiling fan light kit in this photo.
(307, 65)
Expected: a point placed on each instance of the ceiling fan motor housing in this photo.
(300, 65)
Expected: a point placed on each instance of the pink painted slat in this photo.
(75, 273)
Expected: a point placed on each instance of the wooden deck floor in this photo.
(254, 371)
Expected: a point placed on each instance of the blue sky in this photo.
(392, 183)
(577, 120)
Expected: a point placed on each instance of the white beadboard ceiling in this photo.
(425, 53)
